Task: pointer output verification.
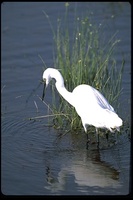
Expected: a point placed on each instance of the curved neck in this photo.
(65, 93)
(60, 86)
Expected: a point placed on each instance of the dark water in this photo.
(34, 160)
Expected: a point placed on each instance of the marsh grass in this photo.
(83, 58)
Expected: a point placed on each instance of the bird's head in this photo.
(48, 75)
(46, 78)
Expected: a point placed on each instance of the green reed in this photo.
(83, 57)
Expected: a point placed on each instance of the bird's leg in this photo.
(88, 139)
(116, 137)
(97, 135)
(107, 136)
(87, 143)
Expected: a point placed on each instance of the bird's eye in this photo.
(43, 80)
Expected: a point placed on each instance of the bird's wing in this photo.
(102, 101)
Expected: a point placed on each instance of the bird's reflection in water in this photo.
(87, 170)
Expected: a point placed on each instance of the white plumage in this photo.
(89, 103)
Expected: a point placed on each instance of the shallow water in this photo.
(35, 161)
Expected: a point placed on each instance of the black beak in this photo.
(44, 87)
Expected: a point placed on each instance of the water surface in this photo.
(34, 160)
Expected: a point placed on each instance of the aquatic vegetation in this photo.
(82, 56)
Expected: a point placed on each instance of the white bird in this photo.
(89, 103)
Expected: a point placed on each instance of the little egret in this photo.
(89, 103)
